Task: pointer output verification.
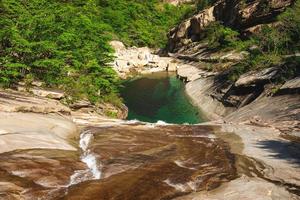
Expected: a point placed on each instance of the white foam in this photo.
(91, 161)
(178, 186)
(80, 176)
(182, 165)
(85, 140)
(182, 187)
(158, 123)
(161, 123)
(89, 158)
(133, 121)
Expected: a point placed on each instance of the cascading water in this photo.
(89, 158)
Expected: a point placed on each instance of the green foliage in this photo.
(66, 43)
(219, 36)
(112, 114)
(283, 38)
(141, 23)
(273, 44)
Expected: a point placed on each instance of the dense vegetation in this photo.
(141, 23)
(273, 45)
(65, 43)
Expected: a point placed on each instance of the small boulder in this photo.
(117, 45)
(80, 104)
(47, 93)
(37, 83)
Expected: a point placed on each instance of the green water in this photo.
(159, 96)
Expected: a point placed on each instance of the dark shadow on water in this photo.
(286, 150)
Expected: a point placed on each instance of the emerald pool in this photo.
(159, 97)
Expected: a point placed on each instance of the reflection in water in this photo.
(159, 96)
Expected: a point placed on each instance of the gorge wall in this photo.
(256, 97)
(244, 16)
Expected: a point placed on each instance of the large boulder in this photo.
(189, 29)
(290, 87)
(292, 84)
(257, 77)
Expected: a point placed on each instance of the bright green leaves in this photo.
(141, 23)
(11, 72)
(63, 44)
(66, 43)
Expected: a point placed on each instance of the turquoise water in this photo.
(159, 96)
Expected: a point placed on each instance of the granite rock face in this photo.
(239, 15)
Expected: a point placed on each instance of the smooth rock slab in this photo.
(37, 174)
(14, 101)
(244, 189)
(31, 131)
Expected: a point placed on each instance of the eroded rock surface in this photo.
(155, 162)
(37, 174)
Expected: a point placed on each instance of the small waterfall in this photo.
(89, 158)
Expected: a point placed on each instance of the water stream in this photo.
(89, 158)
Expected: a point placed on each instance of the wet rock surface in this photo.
(144, 162)
(37, 174)
(151, 161)
(43, 157)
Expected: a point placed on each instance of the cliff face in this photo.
(244, 16)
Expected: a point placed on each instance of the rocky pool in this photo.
(159, 97)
